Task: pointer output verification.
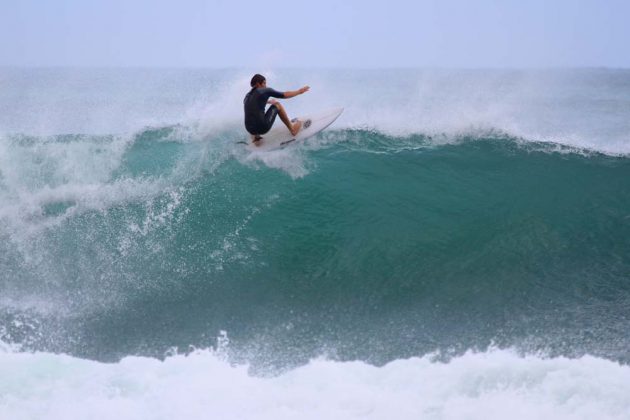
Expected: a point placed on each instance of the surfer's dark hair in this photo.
(258, 78)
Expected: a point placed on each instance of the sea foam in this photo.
(497, 384)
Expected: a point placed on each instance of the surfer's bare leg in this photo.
(294, 128)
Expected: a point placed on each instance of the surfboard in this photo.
(279, 135)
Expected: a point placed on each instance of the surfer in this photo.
(257, 121)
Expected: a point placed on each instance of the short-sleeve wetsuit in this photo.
(257, 121)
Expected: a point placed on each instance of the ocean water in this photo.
(456, 245)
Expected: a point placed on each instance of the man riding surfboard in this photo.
(257, 121)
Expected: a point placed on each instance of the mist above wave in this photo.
(579, 108)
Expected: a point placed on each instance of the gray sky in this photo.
(323, 33)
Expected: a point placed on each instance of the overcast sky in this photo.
(323, 33)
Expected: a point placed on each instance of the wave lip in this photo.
(492, 385)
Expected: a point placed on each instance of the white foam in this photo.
(44, 181)
(494, 385)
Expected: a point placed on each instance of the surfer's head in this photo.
(258, 80)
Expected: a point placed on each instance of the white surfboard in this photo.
(279, 136)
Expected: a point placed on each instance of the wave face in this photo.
(443, 212)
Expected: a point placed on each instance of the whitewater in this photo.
(455, 246)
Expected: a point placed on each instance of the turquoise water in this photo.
(409, 228)
(380, 252)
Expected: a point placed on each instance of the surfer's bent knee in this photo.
(279, 106)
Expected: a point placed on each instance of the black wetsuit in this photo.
(257, 121)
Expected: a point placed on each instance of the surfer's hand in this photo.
(304, 89)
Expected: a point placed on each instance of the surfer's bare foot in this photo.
(296, 128)
(256, 140)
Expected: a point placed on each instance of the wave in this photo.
(378, 247)
(456, 245)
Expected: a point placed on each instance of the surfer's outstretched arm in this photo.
(292, 93)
